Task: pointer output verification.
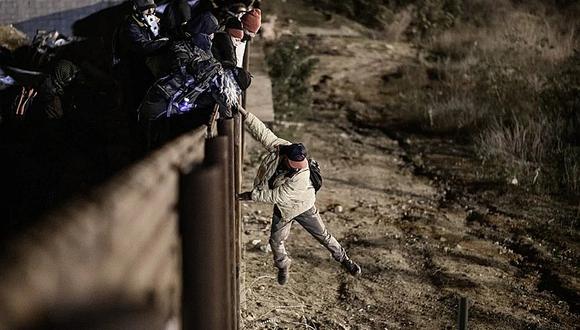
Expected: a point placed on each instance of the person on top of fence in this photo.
(188, 94)
(284, 179)
(229, 45)
(201, 29)
(251, 21)
(136, 43)
(175, 16)
(226, 42)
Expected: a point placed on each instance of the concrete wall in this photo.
(118, 248)
(30, 15)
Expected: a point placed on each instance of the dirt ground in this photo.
(422, 237)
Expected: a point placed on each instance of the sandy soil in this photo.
(421, 242)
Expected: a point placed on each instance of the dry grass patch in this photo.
(511, 84)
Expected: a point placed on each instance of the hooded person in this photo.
(136, 42)
(202, 29)
(185, 98)
(226, 42)
(175, 18)
(284, 179)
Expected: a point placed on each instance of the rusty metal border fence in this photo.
(156, 247)
(157, 244)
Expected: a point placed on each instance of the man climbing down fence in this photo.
(283, 179)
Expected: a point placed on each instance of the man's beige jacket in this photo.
(293, 195)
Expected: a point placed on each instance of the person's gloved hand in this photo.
(162, 42)
(245, 196)
(242, 77)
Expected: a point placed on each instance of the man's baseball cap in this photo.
(296, 154)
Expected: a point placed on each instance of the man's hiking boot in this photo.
(283, 275)
(350, 266)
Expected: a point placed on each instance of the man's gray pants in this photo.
(312, 222)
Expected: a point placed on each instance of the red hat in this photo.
(234, 28)
(252, 20)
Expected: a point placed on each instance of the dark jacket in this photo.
(200, 28)
(176, 13)
(134, 43)
(223, 49)
(133, 47)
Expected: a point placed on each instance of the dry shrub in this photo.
(458, 113)
(509, 80)
(534, 153)
(539, 136)
(515, 38)
(570, 178)
(526, 142)
(527, 35)
(526, 149)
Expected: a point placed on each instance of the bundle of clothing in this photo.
(199, 82)
(184, 98)
(196, 80)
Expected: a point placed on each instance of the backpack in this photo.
(315, 175)
(177, 93)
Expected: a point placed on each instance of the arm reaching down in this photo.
(140, 44)
(262, 133)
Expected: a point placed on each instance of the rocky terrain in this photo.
(413, 211)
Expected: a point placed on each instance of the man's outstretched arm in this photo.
(260, 132)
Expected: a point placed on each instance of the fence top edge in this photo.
(93, 204)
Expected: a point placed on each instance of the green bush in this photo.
(291, 64)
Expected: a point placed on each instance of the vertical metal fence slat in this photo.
(226, 129)
(246, 66)
(202, 228)
(238, 132)
(218, 153)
